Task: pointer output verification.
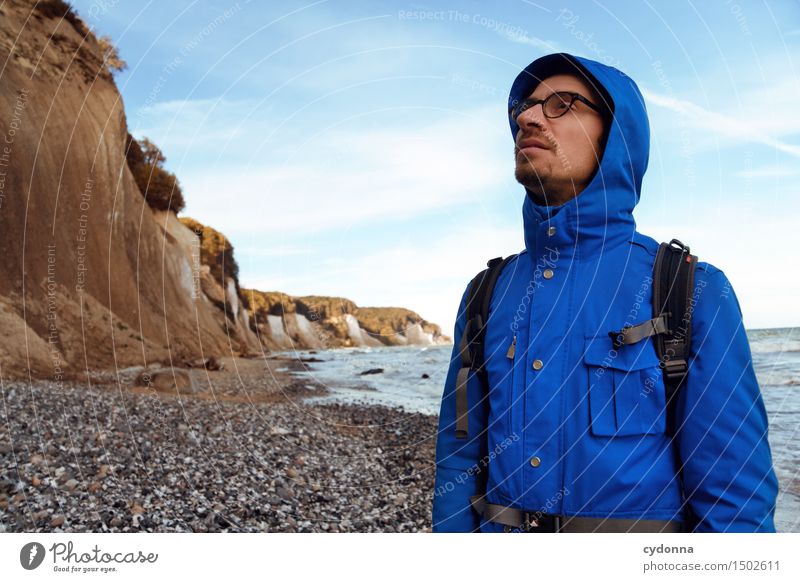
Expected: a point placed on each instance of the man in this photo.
(573, 429)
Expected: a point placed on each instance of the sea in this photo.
(413, 377)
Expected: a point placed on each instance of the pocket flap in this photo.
(600, 351)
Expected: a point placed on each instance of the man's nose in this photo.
(532, 116)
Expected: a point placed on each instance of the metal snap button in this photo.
(538, 364)
(535, 461)
(551, 231)
(548, 273)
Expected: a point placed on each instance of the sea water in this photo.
(776, 359)
(413, 378)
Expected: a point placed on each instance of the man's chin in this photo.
(527, 175)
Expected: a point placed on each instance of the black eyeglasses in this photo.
(554, 105)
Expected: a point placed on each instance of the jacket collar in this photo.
(585, 226)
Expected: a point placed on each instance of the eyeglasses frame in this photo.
(528, 103)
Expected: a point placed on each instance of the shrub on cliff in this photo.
(113, 62)
(263, 303)
(216, 251)
(313, 307)
(159, 187)
(61, 9)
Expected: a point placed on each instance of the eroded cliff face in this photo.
(284, 322)
(90, 276)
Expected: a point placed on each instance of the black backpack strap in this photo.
(673, 286)
(673, 289)
(471, 343)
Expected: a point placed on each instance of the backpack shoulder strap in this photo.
(673, 289)
(470, 346)
(671, 325)
(673, 286)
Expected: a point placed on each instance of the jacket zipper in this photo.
(512, 348)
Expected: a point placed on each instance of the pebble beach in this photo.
(248, 452)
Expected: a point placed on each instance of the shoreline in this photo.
(246, 453)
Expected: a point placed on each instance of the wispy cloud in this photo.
(343, 177)
(187, 127)
(735, 130)
(547, 46)
(278, 251)
(773, 171)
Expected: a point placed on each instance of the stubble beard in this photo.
(526, 174)
(545, 189)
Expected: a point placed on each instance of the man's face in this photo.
(556, 158)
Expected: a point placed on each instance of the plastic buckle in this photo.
(676, 368)
(617, 337)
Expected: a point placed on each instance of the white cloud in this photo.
(282, 250)
(772, 171)
(343, 177)
(548, 46)
(185, 127)
(723, 129)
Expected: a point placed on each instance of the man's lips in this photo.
(532, 144)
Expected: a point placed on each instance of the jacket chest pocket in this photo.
(626, 388)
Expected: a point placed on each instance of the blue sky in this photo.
(362, 149)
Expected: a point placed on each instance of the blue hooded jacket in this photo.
(583, 431)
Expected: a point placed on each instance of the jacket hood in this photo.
(602, 214)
